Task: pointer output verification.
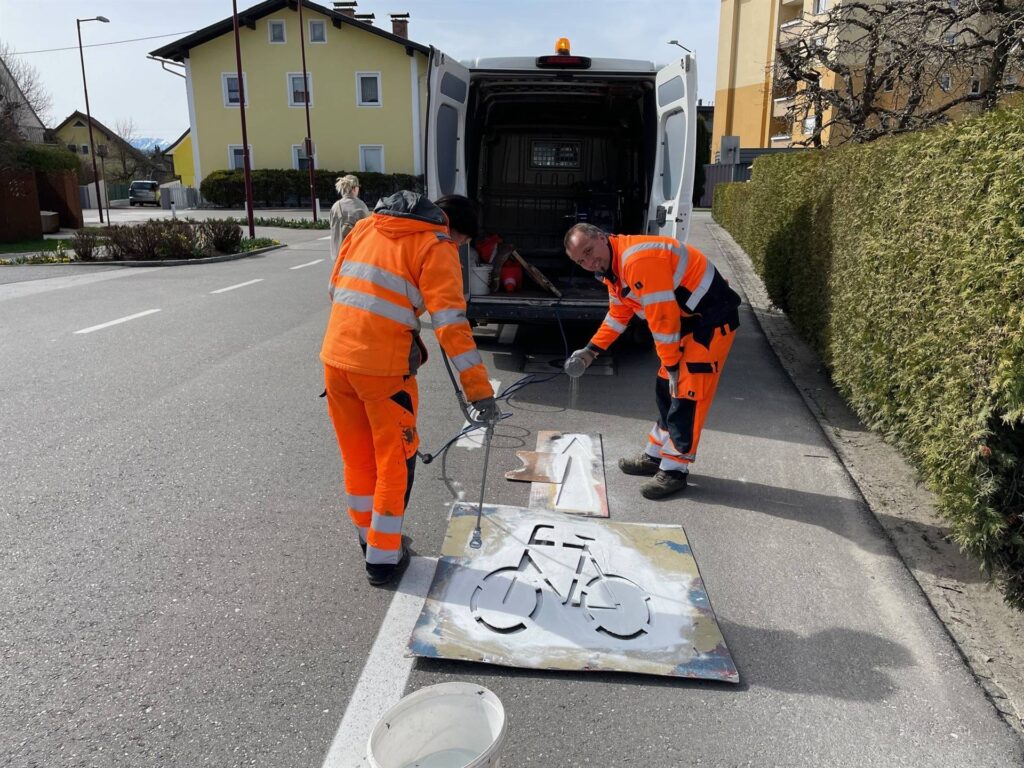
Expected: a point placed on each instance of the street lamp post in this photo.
(309, 133)
(246, 167)
(88, 114)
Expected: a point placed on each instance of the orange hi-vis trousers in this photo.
(681, 415)
(374, 419)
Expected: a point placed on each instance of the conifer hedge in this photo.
(280, 186)
(902, 262)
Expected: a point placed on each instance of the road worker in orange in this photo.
(693, 315)
(393, 265)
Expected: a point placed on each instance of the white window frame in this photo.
(231, 158)
(309, 88)
(975, 86)
(810, 125)
(270, 32)
(85, 149)
(323, 25)
(295, 156)
(362, 159)
(820, 6)
(224, 88)
(359, 90)
(945, 76)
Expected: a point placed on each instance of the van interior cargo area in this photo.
(555, 150)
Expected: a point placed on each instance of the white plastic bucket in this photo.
(480, 280)
(451, 725)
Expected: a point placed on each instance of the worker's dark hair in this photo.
(461, 213)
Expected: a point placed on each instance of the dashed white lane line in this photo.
(324, 238)
(119, 320)
(240, 285)
(386, 671)
(307, 264)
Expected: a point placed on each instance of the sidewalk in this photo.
(989, 634)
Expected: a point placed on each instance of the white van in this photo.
(543, 142)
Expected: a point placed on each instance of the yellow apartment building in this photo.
(366, 91)
(753, 101)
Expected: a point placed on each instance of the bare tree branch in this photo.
(18, 96)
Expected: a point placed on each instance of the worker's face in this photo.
(594, 254)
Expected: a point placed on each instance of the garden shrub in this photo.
(86, 243)
(902, 262)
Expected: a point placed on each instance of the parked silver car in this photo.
(142, 192)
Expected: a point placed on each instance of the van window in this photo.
(447, 145)
(675, 142)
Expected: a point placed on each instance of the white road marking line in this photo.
(386, 670)
(324, 238)
(475, 439)
(307, 264)
(92, 328)
(240, 285)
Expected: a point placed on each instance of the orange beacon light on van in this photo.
(562, 46)
(562, 59)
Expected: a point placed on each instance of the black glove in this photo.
(487, 410)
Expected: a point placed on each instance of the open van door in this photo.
(447, 94)
(671, 201)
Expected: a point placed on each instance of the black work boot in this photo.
(640, 465)
(665, 483)
(379, 574)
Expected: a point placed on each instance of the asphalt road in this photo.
(180, 587)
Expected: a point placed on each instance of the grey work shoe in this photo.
(640, 465)
(379, 574)
(665, 483)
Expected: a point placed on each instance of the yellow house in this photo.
(122, 159)
(366, 90)
(754, 102)
(181, 155)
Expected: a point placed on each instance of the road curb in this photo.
(164, 263)
(985, 630)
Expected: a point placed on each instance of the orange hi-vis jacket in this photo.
(393, 266)
(674, 287)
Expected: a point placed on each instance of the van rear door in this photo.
(447, 94)
(671, 200)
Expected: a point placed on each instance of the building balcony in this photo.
(780, 141)
(790, 33)
(781, 105)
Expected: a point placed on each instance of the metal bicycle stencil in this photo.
(546, 591)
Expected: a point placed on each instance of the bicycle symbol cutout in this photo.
(563, 569)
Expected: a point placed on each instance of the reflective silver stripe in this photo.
(640, 313)
(657, 297)
(363, 530)
(673, 464)
(378, 306)
(666, 338)
(386, 523)
(360, 503)
(684, 259)
(375, 556)
(383, 278)
(330, 290)
(705, 283)
(445, 317)
(633, 249)
(467, 360)
(613, 299)
(614, 324)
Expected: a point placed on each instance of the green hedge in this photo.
(271, 186)
(36, 157)
(902, 262)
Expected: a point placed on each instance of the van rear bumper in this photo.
(506, 309)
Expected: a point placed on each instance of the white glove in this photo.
(673, 383)
(579, 361)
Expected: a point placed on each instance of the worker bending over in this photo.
(398, 262)
(693, 316)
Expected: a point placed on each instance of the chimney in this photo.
(346, 7)
(366, 18)
(400, 24)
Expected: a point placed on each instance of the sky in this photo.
(124, 84)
